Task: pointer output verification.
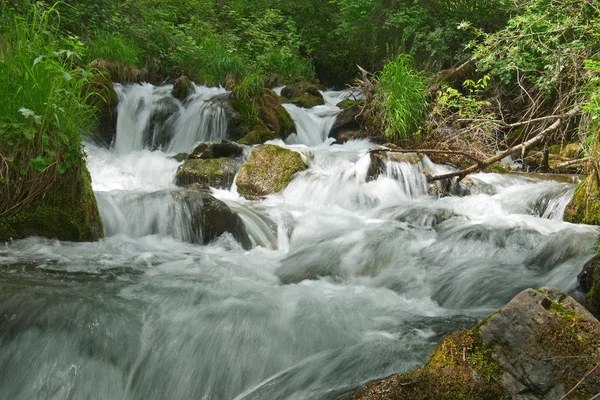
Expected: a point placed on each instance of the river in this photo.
(347, 280)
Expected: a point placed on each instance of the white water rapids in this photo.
(348, 279)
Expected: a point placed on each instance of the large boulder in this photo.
(303, 94)
(269, 169)
(69, 212)
(210, 217)
(538, 346)
(262, 118)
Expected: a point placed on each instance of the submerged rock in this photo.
(538, 346)
(303, 94)
(269, 169)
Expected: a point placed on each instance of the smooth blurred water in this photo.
(349, 279)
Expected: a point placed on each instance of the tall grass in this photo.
(115, 47)
(402, 94)
(43, 112)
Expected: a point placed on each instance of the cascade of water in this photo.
(354, 275)
(150, 117)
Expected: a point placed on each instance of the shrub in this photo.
(401, 93)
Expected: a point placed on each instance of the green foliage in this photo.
(402, 94)
(467, 105)
(44, 112)
(251, 86)
(591, 123)
(544, 44)
(114, 47)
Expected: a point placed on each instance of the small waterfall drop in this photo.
(150, 117)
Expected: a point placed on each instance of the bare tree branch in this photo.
(520, 147)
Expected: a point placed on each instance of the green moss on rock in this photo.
(70, 215)
(461, 367)
(584, 207)
(304, 94)
(540, 344)
(261, 118)
(205, 173)
(269, 169)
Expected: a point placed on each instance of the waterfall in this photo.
(351, 273)
(150, 117)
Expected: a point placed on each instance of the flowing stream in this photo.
(348, 279)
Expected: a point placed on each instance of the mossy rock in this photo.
(70, 215)
(589, 283)
(269, 169)
(461, 367)
(183, 87)
(584, 207)
(538, 346)
(261, 118)
(304, 94)
(379, 160)
(204, 173)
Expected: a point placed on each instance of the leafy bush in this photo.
(402, 95)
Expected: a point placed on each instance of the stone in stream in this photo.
(210, 217)
(258, 119)
(348, 120)
(183, 87)
(536, 347)
(269, 169)
(211, 165)
(379, 160)
(304, 94)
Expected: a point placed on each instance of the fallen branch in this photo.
(572, 162)
(520, 147)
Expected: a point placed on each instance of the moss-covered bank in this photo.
(69, 212)
(584, 207)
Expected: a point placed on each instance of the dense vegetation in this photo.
(528, 62)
